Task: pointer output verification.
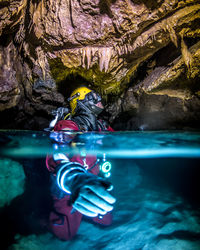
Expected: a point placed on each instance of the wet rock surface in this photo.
(10, 187)
(50, 47)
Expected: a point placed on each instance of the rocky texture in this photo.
(12, 181)
(148, 214)
(9, 87)
(116, 47)
(157, 198)
(168, 97)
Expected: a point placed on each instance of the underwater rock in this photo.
(12, 180)
(145, 216)
(110, 45)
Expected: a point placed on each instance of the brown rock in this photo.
(110, 45)
(9, 87)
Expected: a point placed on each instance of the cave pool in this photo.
(156, 179)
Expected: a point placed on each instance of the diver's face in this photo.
(93, 101)
(98, 102)
(100, 105)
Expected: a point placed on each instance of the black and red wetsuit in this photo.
(62, 222)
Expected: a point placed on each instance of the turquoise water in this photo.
(116, 145)
(156, 183)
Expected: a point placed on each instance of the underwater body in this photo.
(156, 183)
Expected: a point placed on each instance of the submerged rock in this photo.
(12, 180)
(148, 215)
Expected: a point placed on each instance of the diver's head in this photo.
(84, 96)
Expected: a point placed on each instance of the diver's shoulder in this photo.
(66, 125)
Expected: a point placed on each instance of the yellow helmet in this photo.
(77, 94)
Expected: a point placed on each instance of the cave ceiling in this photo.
(125, 49)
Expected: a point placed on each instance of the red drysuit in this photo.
(62, 222)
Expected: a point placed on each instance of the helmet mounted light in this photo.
(87, 97)
(77, 95)
(72, 97)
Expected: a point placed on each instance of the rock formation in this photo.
(142, 56)
(10, 187)
(149, 213)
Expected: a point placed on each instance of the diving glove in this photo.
(89, 194)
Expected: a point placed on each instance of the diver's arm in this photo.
(66, 172)
(89, 194)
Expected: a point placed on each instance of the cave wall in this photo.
(142, 56)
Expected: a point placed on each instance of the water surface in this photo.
(156, 183)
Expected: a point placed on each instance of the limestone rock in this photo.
(12, 180)
(167, 98)
(9, 86)
(109, 45)
(147, 215)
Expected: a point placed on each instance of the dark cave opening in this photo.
(72, 81)
(159, 59)
(162, 58)
(150, 4)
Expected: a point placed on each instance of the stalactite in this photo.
(118, 50)
(83, 57)
(94, 50)
(104, 56)
(88, 56)
(187, 57)
(41, 61)
(101, 59)
(108, 57)
(172, 34)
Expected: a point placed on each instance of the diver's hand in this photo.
(92, 198)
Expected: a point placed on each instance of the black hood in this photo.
(86, 119)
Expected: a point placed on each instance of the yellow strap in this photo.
(67, 115)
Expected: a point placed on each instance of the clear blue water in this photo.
(156, 182)
(116, 145)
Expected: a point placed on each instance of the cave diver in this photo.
(77, 190)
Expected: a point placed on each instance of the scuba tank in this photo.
(59, 114)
